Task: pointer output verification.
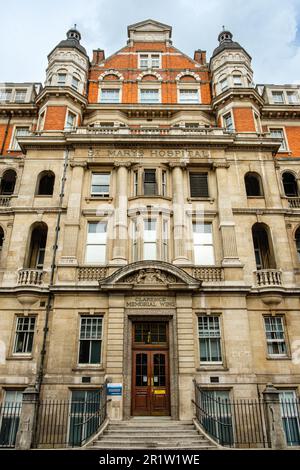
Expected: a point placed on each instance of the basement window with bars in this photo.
(90, 340)
(24, 335)
(276, 344)
(199, 185)
(209, 334)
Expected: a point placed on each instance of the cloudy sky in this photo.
(268, 29)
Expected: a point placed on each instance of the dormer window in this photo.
(20, 96)
(5, 95)
(292, 97)
(149, 61)
(277, 97)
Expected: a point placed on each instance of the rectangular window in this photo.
(20, 96)
(71, 120)
(19, 132)
(199, 184)
(134, 240)
(188, 96)
(203, 244)
(90, 340)
(217, 419)
(164, 183)
(289, 407)
(24, 335)
(277, 97)
(10, 417)
(100, 184)
(237, 80)
(150, 240)
(292, 97)
(149, 95)
(276, 344)
(278, 134)
(84, 415)
(224, 84)
(110, 95)
(209, 339)
(61, 79)
(228, 122)
(149, 61)
(96, 243)
(5, 95)
(135, 183)
(150, 187)
(165, 240)
(75, 83)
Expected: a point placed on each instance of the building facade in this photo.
(149, 227)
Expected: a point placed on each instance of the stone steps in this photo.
(151, 433)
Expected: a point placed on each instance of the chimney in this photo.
(200, 56)
(98, 56)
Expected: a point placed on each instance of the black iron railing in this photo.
(9, 423)
(70, 423)
(232, 423)
(290, 412)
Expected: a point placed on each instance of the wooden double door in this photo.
(150, 377)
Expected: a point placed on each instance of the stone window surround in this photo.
(153, 85)
(11, 355)
(281, 173)
(71, 110)
(149, 53)
(199, 170)
(189, 86)
(281, 128)
(140, 188)
(69, 72)
(105, 170)
(230, 111)
(108, 240)
(284, 92)
(206, 220)
(138, 221)
(210, 366)
(274, 357)
(13, 134)
(108, 85)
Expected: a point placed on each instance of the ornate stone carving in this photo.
(150, 276)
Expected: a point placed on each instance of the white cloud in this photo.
(267, 29)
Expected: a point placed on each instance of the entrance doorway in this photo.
(150, 369)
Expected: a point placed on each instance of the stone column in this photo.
(227, 225)
(120, 233)
(24, 439)
(179, 216)
(72, 222)
(276, 434)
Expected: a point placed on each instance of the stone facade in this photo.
(150, 115)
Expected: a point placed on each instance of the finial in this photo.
(75, 26)
(223, 28)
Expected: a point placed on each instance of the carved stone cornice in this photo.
(221, 164)
(75, 164)
(181, 165)
(120, 164)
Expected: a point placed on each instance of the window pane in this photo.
(110, 95)
(84, 352)
(188, 96)
(95, 352)
(95, 254)
(100, 183)
(150, 251)
(149, 96)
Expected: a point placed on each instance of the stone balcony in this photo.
(5, 201)
(268, 278)
(294, 202)
(151, 131)
(30, 277)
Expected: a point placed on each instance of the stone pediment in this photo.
(148, 30)
(155, 275)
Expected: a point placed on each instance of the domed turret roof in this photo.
(226, 42)
(72, 41)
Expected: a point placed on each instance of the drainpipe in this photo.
(5, 134)
(40, 375)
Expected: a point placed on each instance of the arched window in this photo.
(297, 241)
(289, 184)
(45, 183)
(1, 238)
(264, 255)
(37, 247)
(8, 182)
(253, 184)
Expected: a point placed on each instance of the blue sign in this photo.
(114, 389)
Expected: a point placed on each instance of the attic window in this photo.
(149, 60)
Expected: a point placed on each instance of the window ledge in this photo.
(212, 367)
(43, 195)
(278, 358)
(156, 196)
(255, 197)
(98, 198)
(19, 357)
(208, 199)
(90, 367)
